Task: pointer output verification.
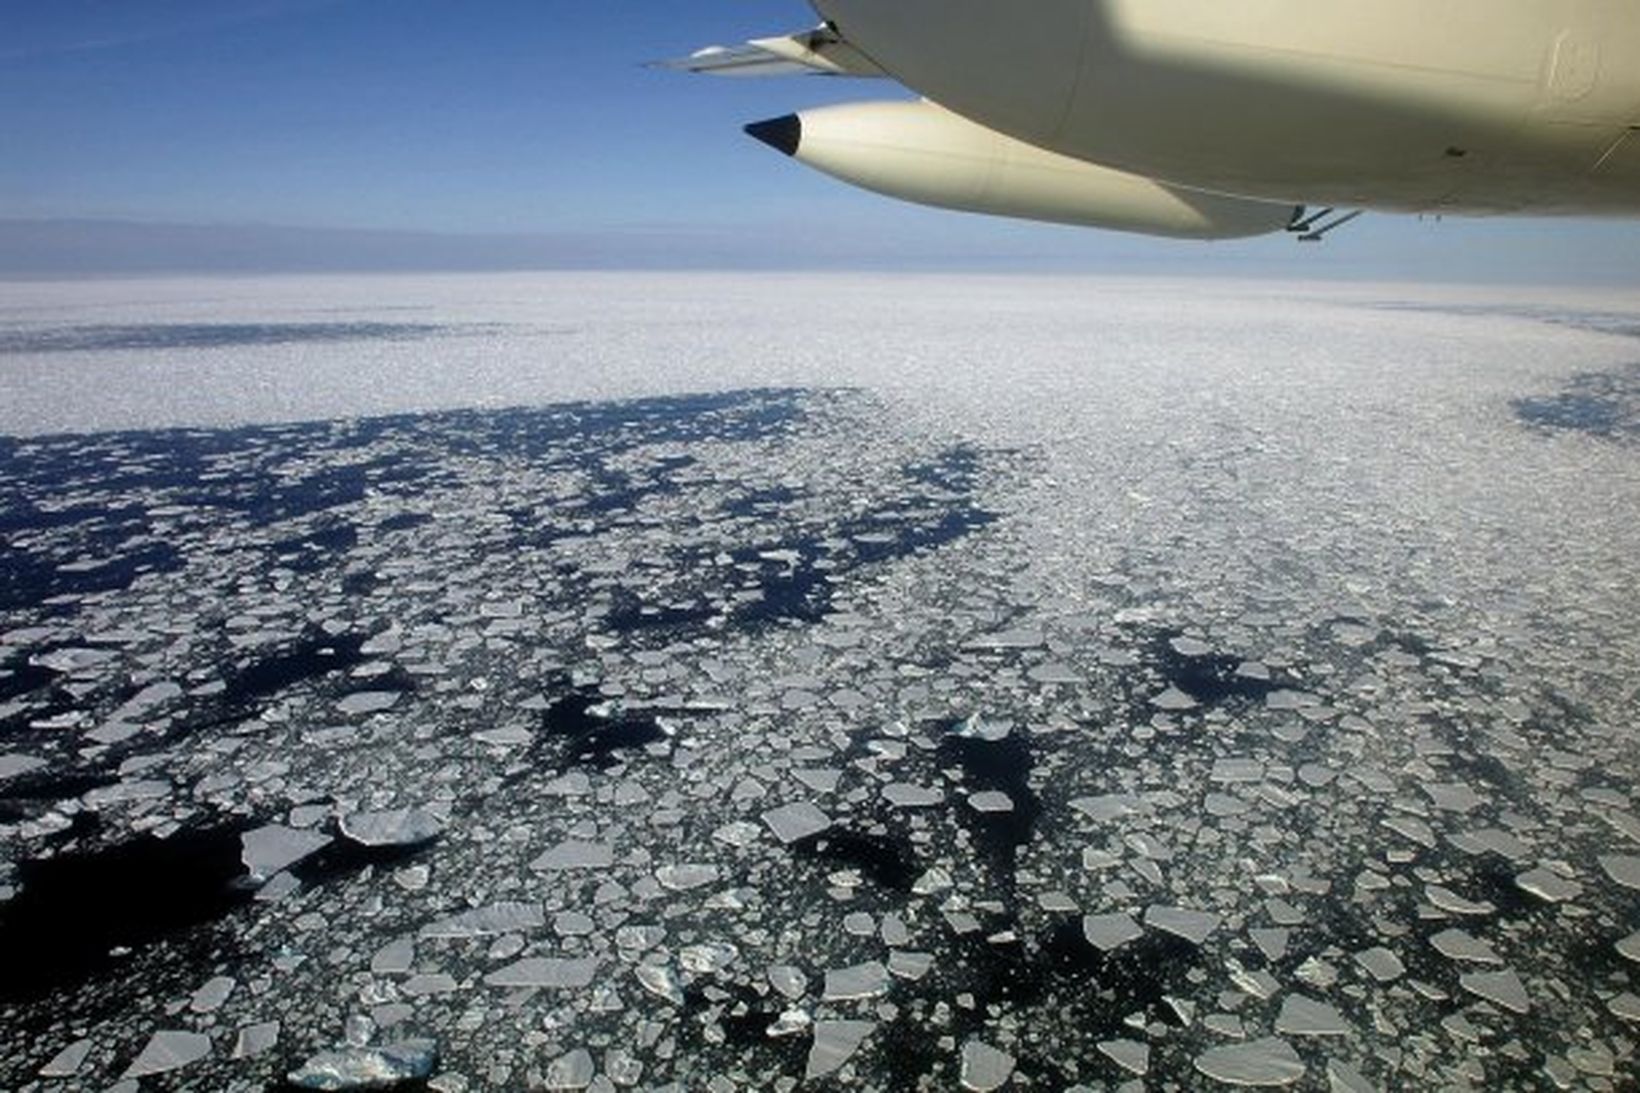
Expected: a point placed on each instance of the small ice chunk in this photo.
(1344, 1078)
(904, 964)
(67, 1062)
(1457, 944)
(797, 821)
(866, 980)
(1267, 1062)
(1504, 988)
(210, 997)
(572, 1070)
(1110, 931)
(367, 1067)
(171, 1049)
(367, 702)
(1453, 796)
(991, 801)
(268, 849)
(12, 764)
(835, 1043)
(789, 981)
(1622, 868)
(1054, 672)
(905, 795)
(490, 921)
(575, 854)
(708, 957)
(1301, 1016)
(1629, 947)
(1194, 926)
(683, 878)
(1549, 885)
(984, 1067)
(661, 981)
(1110, 806)
(1173, 699)
(1271, 941)
(1236, 771)
(1626, 1006)
(1381, 963)
(1132, 1056)
(1449, 901)
(394, 958)
(394, 827)
(545, 971)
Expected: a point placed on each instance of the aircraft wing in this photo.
(818, 52)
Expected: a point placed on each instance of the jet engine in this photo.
(919, 151)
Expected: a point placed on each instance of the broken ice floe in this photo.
(367, 1067)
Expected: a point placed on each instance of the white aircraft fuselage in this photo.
(1461, 106)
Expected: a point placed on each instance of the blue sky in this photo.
(538, 118)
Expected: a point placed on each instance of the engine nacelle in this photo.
(921, 152)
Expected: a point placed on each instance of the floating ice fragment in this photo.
(394, 958)
(134, 789)
(1110, 931)
(394, 827)
(835, 1042)
(575, 854)
(1344, 1078)
(1626, 1006)
(210, 997)
(1173, 699)
(1194, 926)
(991, 801)
(1271, 941)
(978, 728)
(1267, 1062)
(683, 878)
(1456, 944)
(169, 1050)
(1007, 639)
(12, 764)
(558, 973)
(67, 1062)
(1112, 806)
(866, 980)
(984, 1067)
(1054, 672)
(789, 981)
(660, 981)
(1549, 885)
(1132, 1056)
(1629, 947)
(1233, 771)
(1381, 963)
(1622, 868)
(572, 1070)
(1301, 1016)
(903, 964)
(428, 983)
(367, 1067)
(708, 957)
(1452, 903)
(904, 795)
(367, 702)
(1453, 796)
(1504, 988)
(497, 918)
(267, 850)
(797, 821)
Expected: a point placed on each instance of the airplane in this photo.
(1219, 119)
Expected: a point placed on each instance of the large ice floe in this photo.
(882, 683)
